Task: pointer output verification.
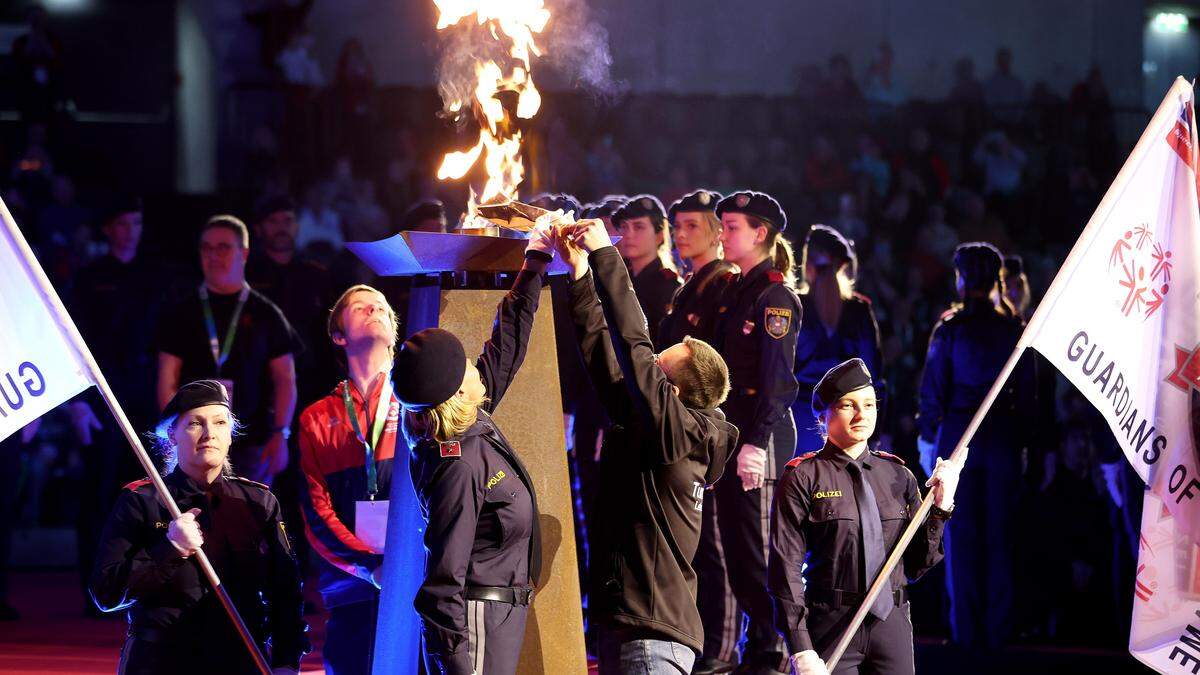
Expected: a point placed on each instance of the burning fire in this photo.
(515, 22)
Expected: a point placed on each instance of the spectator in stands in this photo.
(1003, 91)
(1002, 163)
(881, 85)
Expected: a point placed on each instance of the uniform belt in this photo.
(838, 598)
(511, 595)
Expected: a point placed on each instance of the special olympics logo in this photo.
(1141, 266)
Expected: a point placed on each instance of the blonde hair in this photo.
(167, 447)
(778, 248)
(665, 248)
(449, 419)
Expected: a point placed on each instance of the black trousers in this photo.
(744, 518)
(719, 610)
(877, 648)
(350, 638)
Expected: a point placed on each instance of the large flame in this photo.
(514, 21)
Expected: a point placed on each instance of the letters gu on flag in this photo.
(38, 367)
(1122, 327)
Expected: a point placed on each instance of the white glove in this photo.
(751, 462)
(944, 482)
(927, 451)
(808, 663)
(184, 533)
(541, 238)
(1112, 475)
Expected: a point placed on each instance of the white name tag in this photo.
(370, 523)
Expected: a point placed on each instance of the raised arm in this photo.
(505, 350)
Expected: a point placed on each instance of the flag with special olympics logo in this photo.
(1121, 323)
(39, 369)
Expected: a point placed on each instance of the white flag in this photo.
(1120, 320)
(38, 367)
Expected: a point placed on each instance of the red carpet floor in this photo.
(53, 636)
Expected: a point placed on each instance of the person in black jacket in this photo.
(482, 539)
(759, 316)
(693, 313)
(967, 351)
(669, 443)
(841, 511)
(646, 246)
(176, 622)
(841, 324)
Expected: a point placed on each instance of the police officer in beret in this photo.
(646, 247)
(841, 510)
(482, 540)
(697, 233)
(841, 323)
(757, 321)
(176, 622)
(967, 350)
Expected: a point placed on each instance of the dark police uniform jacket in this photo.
(655, 285)
(169, 599)
(656, 461)
(477, 497)
(693, 309)
(815, 519)
(967, 350)
(756, 333)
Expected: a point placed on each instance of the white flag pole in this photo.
(1167, 110)
(67, 326)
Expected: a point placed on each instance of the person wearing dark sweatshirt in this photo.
(668, 442)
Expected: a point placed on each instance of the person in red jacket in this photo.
(347, 442)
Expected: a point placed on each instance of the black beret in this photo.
(605, 207)
(700, 200)
(118, 205)
(642, 206)
(195, 395)
(841, 379)
(556, 201)
(829, 240)
(429, 368)
(264, 207)
(1014, 265)
(757, 204)
(978, 262)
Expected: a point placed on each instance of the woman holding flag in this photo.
(176, 621)
(842, 509)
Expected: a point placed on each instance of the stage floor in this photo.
(53, 636)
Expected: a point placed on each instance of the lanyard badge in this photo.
(221, 353)
(377, 424)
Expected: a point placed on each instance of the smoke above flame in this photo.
(489, 33)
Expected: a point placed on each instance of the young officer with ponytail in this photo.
(757, 321)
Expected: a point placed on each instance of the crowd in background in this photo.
(997, 160)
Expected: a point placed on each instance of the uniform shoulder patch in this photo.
(777, 321)
(256, 484)
(888, 456)
(450, 448)
(133, 486)
(775, 276)
(795, 461)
